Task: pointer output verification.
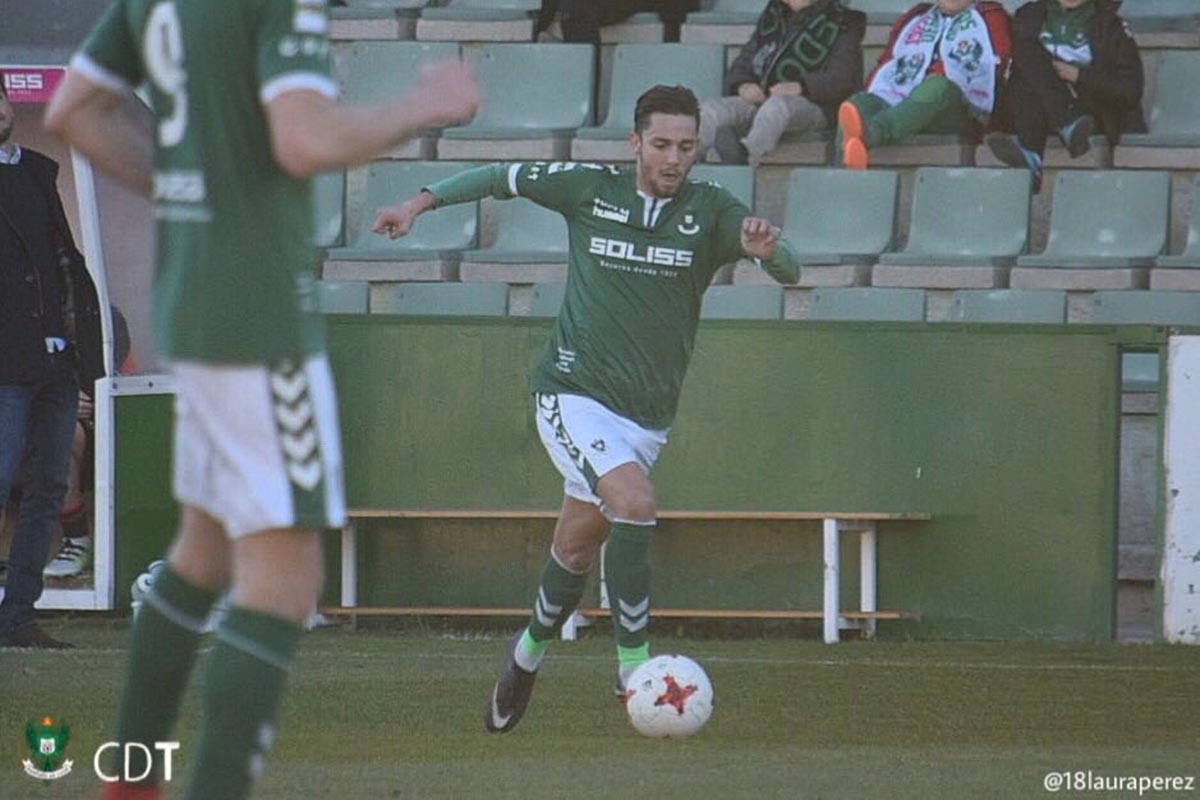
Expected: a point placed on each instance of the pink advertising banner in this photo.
(30, 84)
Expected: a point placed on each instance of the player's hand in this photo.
(759, 237)
(787, 89)
(396, 221)
(446, 92)
(1067, 72)
(752, 93)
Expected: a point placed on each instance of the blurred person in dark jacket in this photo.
(1076, 70)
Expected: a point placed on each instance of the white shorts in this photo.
(586, 441)
(258, 447)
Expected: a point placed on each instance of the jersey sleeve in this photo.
(292, 44)
(557, 185)
(109, 55)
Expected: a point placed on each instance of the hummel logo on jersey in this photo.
(599, 445)
(689, 227)
(606, 210)
(627, 251)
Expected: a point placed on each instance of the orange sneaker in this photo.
(131, 791)
(854, 154)
(851, 122)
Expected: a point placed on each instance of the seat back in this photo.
(970, 212)
(841, 211)
(737, 179)
(449, 228)
(1009, 305)
(637, 67)
(524, 226)
(373, 71)
(1109, 213)
(534, 86)
(453, 299)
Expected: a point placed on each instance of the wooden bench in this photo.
(833, 525)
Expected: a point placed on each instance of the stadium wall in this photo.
(1007, 435)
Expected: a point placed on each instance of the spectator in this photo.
(75, 549)
(940, 73)
(1075, 67)
(803, 59)
(46, 299)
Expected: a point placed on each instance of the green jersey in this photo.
(236, 255)
(638, 269)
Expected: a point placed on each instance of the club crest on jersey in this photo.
(689, 227)
(605, 210)
(627, 251)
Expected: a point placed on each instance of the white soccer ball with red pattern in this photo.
(669, 696)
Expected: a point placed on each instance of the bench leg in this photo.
(830, 610)
(349, 566)
(867, 576)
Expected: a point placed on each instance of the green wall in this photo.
(1006, 434)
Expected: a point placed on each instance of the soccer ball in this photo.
(669, 696)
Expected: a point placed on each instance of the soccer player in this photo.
(644, 244)
(244, 114)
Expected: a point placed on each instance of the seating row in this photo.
(969, 228)
(716, 20)
(537, 101)
(1018, 306)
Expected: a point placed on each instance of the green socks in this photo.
(627, 573)
(244, 678)
(162, 649)
(558, 596)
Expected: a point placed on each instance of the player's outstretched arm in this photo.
(467, 186)
(311, 132)
(112, 128)
(762, 240)
(396, 221)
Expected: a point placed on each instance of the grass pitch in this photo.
(398, 714)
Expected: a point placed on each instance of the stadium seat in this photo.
(1009, 305)
(1139, 372)
(635, 68)
(1173, 141)
(1146, 308)
(547, 299)
(738, 180)
(838, 221)
(728, 12)
(532, 98)
(743, 302)
(450, 299)
(1106, 228)
(881, 12)
(329, 190)
(530, 246)
(479, 20)
(370, 72)
(968, 227)
(1189, 259)
(429, 252)
(342, 297)
(375, 19)
(1161, 15)
(883, 305)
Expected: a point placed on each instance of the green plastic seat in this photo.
(637, 67)
(1146, 308)
(530, 91)
(373, 71)
(966, 217)
(446, 299)
(483, 10)
(1155, 16)
(342, 297)
(737, 179)
(1106, 218)
(1174, 119)
(1139, 372)
(448, 231)
(881, 305)
(881, 12)
(525, 232)
(1009, 305)
(728, 12)
(1190, 257)
(547, 299)
(329, 191)
(742, 302)
(838, 216)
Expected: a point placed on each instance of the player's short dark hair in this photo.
(665, 100)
